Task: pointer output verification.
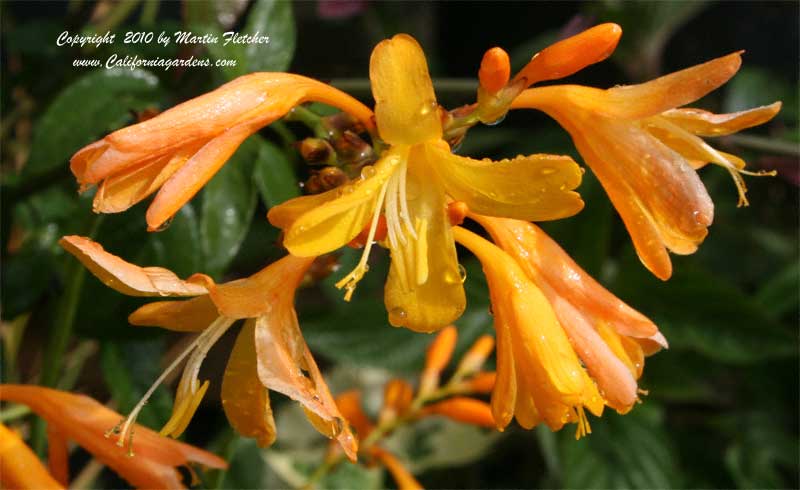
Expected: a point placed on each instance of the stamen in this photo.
(421, 252)
(583, 424)
(715, 156)
(350, 281)
(404, 202)
(130, 419)
(390, 211)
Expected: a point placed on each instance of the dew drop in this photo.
(548, 171)
(397, 316)
(163, 226)
(338, 426)
(496, 121)
(367, 172)
(462, 273)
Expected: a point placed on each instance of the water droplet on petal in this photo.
(548, 171)
(367, 172)
(163, 226)
(462, 272)
(397, 316)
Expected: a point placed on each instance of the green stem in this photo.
(14, 412)
(61, 332)
(118, 14)
(311, 119)
(765, 144)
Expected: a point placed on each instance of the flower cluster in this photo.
(564, 343)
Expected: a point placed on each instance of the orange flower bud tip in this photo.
(441, 349)
(456, 212)
(495, 70)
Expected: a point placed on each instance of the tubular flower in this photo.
(179, 150)
(84, 420)
(609, 337)
(539, 376)
(19, 466)
(645, 151)
(410, 186)
(270, 351)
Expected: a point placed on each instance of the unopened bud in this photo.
(456, 212)
(463, 409)
(316, 151)
(572, 54)
(482, 383)
(397, 397)
(495, 70)
(476, 355)
(436, 358)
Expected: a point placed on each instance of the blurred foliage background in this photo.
(723, 405)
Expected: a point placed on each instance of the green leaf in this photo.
(93, 105)
(779, 295)
(358, 331)
(631, 451)
(229, 201)
(129, 369)
(275, 19)
(700, 312)
(753, 87)
(274, 175)
(272, 18)
(764, 452)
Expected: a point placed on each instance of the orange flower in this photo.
(182, 148)
(551, 321)
(270, 351)
(644, 151)
(610, 338)
(19, 466)
(85, 421)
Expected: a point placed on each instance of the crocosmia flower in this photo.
(645, 151)
(410, 186)
(564, 343)
(270, 351)
(84, 420)
(179, 150)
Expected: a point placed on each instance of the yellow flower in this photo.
(410, 186)
(270, 351)
(563, 341)
(180, 150)
(84, 420)
(645, 151)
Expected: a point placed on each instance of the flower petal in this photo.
(533, 324)
(286, 365)
(85, 421)
(633, 102)
(193, 315)
(463, 409)
(256, 99)
(121, 191)
(534, 187)
(406, 111)
(244, 398)
(332, 225)
(424, 290)
(546, 263)
(195, 173)
(19, 465)
(261, 293)
(349, 404)
(704, 123)
(125, 277)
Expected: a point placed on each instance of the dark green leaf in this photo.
(271, 18)
(229, 201)
(633, 451)
(781, 294)
(274, 175)
(95, 104)
(700, 312)
(129, 369)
